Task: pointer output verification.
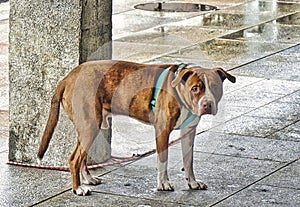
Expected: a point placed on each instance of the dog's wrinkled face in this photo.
(201, 89)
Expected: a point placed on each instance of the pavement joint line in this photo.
(253, 136)
(243, 157)
(263, 57)
(122, 12)
(50, 197)
(255, 182)
(70, 188)
(246, 86)
(145, 198)
(272, 134)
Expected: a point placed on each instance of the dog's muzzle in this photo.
(207, 106)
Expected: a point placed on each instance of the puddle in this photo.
(277, 31)
(217, 20)
(230, 51)
(264, 7)
(175, 7)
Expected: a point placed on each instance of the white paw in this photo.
(95, 180)
(165, 186)
(197, 185)
(39, 161)
(83, 191)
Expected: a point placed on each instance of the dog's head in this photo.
(201, 89)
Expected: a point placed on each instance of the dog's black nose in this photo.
(207, 106)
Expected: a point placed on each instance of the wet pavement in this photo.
(248, 154)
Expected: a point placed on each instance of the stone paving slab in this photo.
(278, 110)
(283, 66)
(247, 147)
(264, 196)
(21, 186)
(139, 179)
(291, 133)
(253, 126)
(273, 86)
(279, 189)
(106, 200)
(285, 178)
(136, 52)
(261, 93)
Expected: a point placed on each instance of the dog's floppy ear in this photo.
(223, 75)
(181, 77)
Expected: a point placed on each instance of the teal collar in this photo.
(158, 84)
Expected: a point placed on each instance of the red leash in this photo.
(112, 161)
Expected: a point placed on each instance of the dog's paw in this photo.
(94, 180)
(197, 185)
(38, 161)
(82, 191)
(165, 186)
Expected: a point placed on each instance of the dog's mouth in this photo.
(209, 111)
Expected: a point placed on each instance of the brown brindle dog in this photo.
(167, 96)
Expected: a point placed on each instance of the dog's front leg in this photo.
(187, 145)
(162, 141)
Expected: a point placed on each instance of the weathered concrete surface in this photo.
(96, 30)
(48, 39)
(44, 46)
(248, 154)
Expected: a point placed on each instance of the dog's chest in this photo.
(186, 119)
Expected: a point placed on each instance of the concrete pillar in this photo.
(96, 30)
(48, 39)
(101, 148)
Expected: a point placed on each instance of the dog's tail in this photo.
(52, 119)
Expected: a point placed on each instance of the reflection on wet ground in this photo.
(175, 7)
(282, 30)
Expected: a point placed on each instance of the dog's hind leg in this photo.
(87, 178)
(77, 160)
(74, 162)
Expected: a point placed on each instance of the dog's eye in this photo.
(195, 89)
